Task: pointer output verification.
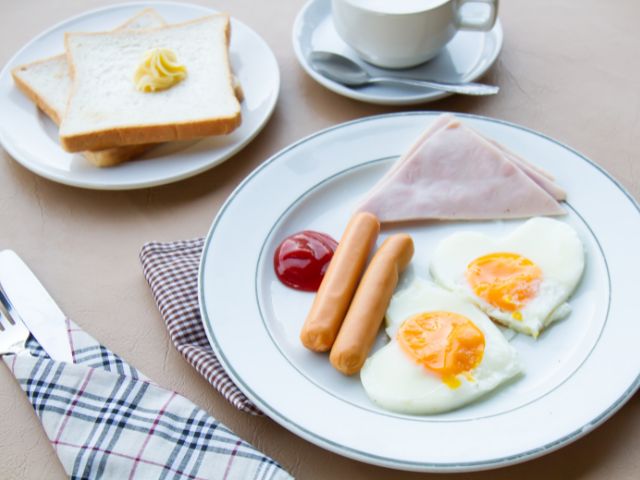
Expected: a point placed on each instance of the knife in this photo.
(23, 295)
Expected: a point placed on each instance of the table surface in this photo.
(568, 69)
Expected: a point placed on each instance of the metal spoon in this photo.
(345, 71)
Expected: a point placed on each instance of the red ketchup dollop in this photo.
(301, 260)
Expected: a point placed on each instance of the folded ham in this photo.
(454, 173)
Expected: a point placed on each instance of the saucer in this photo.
(464, 59)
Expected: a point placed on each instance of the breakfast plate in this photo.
(576, 374)
(464, 59)
(31, 138)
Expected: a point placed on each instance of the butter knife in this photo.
(23, 296)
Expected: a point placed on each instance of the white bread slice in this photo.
(47, 81)
(48, 84)
(106, 110)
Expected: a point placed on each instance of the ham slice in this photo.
(441, 122)
(453, 173)
(536, 174)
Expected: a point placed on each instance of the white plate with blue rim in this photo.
(576, 374)
(31, 138)
(465, 58)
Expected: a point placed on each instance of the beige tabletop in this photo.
(568, 68)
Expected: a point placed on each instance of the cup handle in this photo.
(481, 25)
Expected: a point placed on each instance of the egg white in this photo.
(551, 244)
(395, 382)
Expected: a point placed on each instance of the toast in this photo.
(47, 83)
(105, 110)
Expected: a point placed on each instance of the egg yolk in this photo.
(505, 280)
(445, 343)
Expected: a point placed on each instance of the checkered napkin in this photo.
(106, 420)
(172, 272)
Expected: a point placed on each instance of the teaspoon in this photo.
(345, 71)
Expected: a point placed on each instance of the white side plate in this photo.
(577, 374)
(32, 139)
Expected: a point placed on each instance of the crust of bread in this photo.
(139, 134)
(31, 94)
(142, 134)
(145, 11)
(115, 156)
(237, 89)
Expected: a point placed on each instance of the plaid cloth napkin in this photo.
(172, 272)
(106, 420)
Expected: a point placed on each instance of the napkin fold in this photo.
(172, 272)
(106, 420)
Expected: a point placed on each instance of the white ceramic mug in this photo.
(404, 33)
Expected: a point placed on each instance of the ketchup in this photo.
(302, 258)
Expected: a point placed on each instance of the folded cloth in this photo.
(106, 420)
(172, 272)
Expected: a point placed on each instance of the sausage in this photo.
(370, 303)
(339, 282)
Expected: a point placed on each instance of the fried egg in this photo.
(443, 353)
(521, 280)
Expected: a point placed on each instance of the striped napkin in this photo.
(172, 272)
(106, 420)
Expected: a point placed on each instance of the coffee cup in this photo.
(405, 33)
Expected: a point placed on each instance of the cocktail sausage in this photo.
(339, 283)
(369, 304)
